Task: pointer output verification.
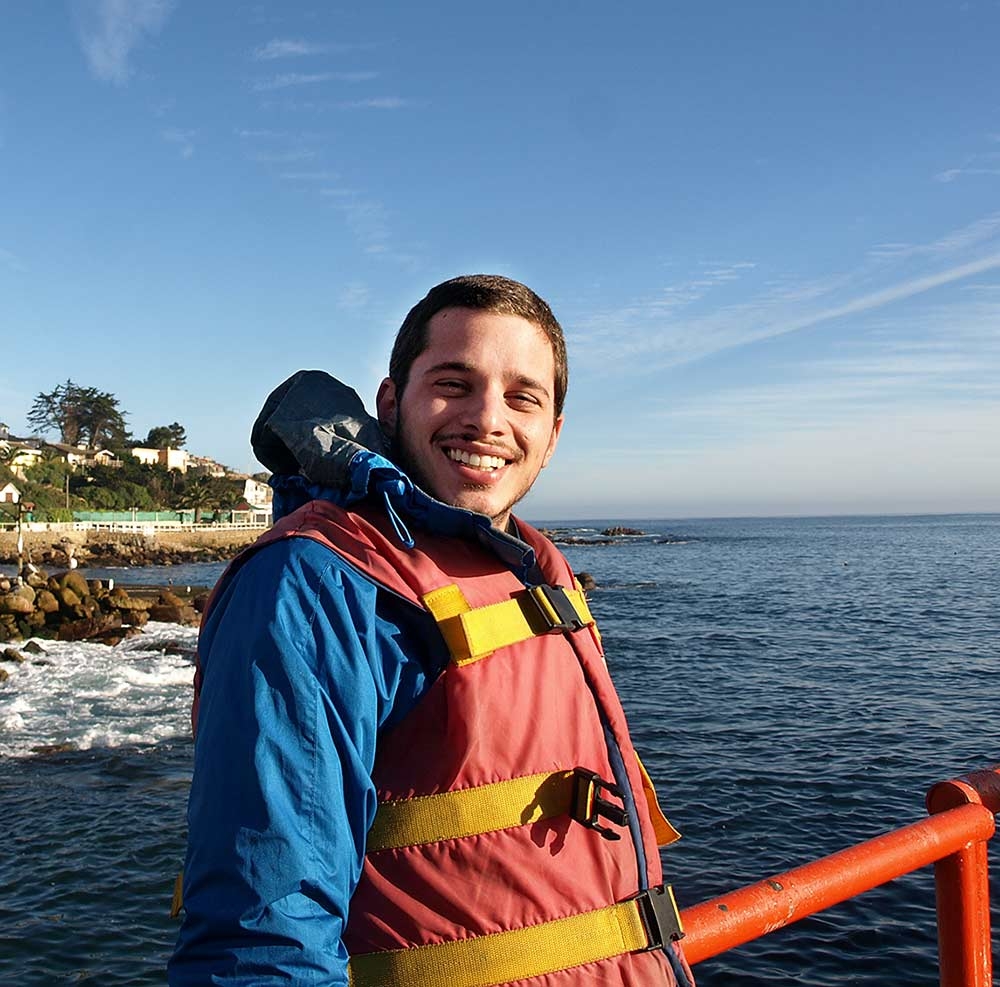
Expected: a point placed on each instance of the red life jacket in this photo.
(502, 851)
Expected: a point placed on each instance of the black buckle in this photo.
(588, 806)
(556, 601)
(660, 917)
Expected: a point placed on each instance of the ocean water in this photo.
(794, 686)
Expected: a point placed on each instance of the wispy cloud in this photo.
(670, 329)
(182, 139)
(11, 261)
(289, 79)
(353, 296)
(309, 176)
(291, 48)
(283, 157)
(110, 30)
(980, 163)
(376, 103)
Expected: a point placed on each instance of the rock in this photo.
(619, 530)
(586, 581)
(67, 597)
(12, 654)
(46, 601)
(170, 614)
(34, 648)
(170, 599)
(13, 603)
(82, 630)
(74, 580)
(120, 600)
(4, 675)
(200, 602)
(135, 618)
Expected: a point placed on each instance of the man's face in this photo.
(476, 421)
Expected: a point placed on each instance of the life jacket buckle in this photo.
(660, 916)
(556, 608)
(589, 806)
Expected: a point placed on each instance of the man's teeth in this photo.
(475, 460)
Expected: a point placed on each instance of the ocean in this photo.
(794, 687)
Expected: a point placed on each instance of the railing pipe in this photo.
(732, 919)
(962, 886)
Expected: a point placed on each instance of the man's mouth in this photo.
(478, 462)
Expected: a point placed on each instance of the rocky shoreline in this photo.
(109, 549)
(67, 606)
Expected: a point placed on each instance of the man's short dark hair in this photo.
(486, 293)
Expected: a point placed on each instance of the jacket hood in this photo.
(314, 425)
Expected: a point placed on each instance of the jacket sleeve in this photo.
(302, 668)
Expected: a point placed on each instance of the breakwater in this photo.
(63, 545)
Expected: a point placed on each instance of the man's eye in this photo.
(451, 385)
(523, 400)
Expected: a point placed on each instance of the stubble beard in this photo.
(407, 460)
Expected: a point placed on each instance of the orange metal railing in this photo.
(953, 838)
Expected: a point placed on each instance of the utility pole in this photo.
(22, 509)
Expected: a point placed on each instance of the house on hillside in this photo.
(173, 459)
(207, 466)
(9, 494)
(22, 453)
(82, 455)
(255, 492)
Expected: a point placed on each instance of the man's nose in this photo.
(485, 411)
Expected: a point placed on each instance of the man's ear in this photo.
(387, 406)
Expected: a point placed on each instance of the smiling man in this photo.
(411, 765)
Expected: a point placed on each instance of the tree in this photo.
(170, 436)
(81, 416)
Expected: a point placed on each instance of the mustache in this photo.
(485, 447)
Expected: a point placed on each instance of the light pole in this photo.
(23, 507)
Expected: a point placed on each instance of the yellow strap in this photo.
(486, 961)
(665, 833)
(177, 902)
(472, 634)
(471, 811)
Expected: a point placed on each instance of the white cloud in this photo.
(10, 260)
(661, 332)
(376, 103)
(289, 79)
(289, 48)
(309, 176)
(110, 30)
(183, 139)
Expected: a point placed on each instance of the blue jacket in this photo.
(306, 662)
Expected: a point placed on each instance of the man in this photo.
(411, 766)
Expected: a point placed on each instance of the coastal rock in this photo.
(171, 614)
(586, 581)
(4, 675)
(69, 608)
(120, 600)
(13, 603)
(75, 582)
(12, 654)
(82, 630)
(46, 601)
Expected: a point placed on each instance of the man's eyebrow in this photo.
(459, 367)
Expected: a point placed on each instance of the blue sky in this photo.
(771, 231)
